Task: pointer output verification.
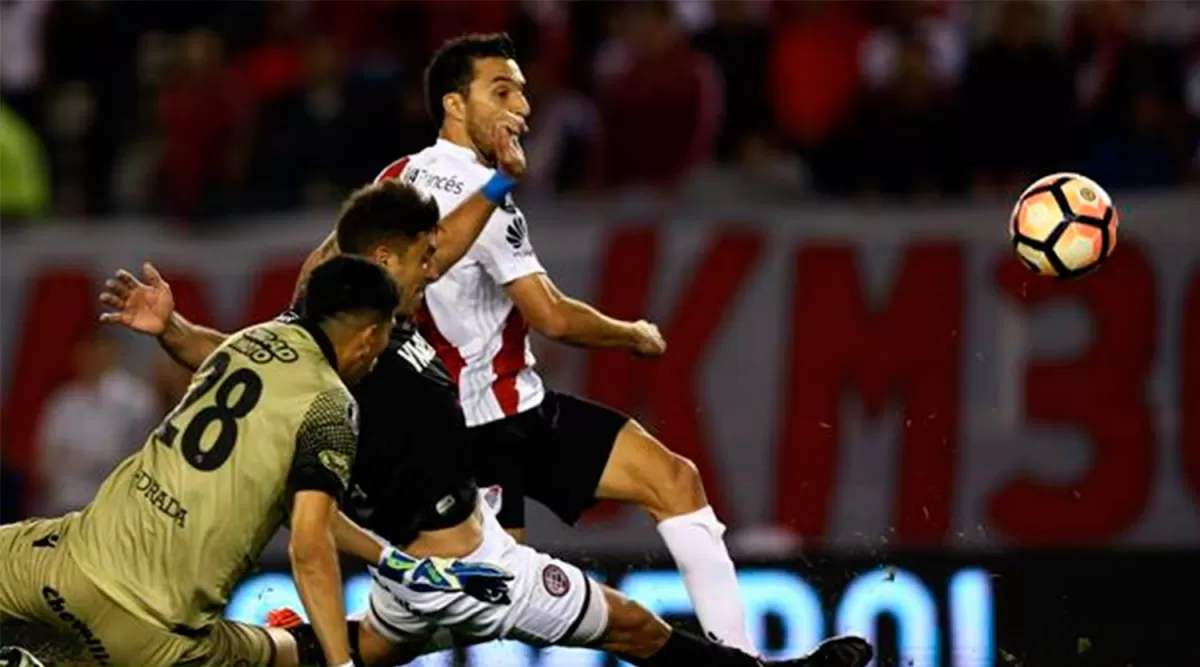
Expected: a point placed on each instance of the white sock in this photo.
(709, 576)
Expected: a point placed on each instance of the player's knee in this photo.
(642, 470)
(679, 489)
(632, 630)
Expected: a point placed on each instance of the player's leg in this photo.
(644, 640)
(497, 458)
(599, 453)
(229, 643)
(641, 470)
(31, 554)
(30, 549)
(39, 584)
(370, 645)
(557, 603)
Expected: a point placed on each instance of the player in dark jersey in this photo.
(414, 484)
(266, 433)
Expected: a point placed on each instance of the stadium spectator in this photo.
(814, 81)
(24, 182)
(564, 145)
(275, 65)
(358, 28)
(909, 24)
(90, 424)
(739, 44)
(119, 133)
(21, 24)
(90, 55)
(444, 20)
(1012, 140)
(301, 153)
(659, 99)
(203, 114)
(1132, 88)
(902, 146)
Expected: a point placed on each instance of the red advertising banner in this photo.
(860, 378)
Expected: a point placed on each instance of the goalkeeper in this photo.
(266, 434)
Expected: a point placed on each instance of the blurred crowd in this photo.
(198, 110)
(96, 417)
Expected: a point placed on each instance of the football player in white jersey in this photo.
(565, 452)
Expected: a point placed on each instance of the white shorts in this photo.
(553, 602)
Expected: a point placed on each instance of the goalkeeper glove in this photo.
(482, 581)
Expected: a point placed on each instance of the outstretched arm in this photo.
(149, 307)
(187, 343)
(561, 318)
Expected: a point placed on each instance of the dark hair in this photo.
(381, 212)
(346, 285)
(452, 67)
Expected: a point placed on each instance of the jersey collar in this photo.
(323, 341)
(447, 146)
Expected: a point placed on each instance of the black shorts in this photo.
(554, 453)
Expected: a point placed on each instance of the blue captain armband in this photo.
(498, 187)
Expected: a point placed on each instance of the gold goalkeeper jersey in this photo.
(178, 523)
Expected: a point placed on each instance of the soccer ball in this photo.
(1064, 226)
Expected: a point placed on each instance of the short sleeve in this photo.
(504, 248)
(326, 444)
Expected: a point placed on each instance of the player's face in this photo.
(498, 86)
(411, 266)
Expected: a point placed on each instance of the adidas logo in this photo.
(516, 232)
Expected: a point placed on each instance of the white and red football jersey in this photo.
(476, 329)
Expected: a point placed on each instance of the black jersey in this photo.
(413, 469)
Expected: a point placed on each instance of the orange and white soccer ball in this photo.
(1064, 226)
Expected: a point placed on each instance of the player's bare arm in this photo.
(313, 552)
(458, 230)
(354, 541)
(326, 444)
(559, 317)
(148, 306)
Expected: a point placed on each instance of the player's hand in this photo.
(506, 143)
(481, 581)
(145, 307)
(650, 341)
